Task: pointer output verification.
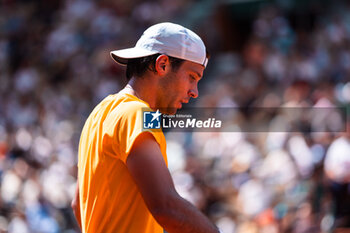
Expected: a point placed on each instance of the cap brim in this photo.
(122, 56)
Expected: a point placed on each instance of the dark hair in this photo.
(138, 66)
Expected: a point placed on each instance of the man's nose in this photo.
(193, 92)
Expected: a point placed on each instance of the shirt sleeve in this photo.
(130, 126)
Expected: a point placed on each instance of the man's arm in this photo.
(148, 169)
(76, 205)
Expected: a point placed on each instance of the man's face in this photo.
(177, 87)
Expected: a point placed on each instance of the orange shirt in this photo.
(109, 198)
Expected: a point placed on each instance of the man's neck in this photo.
(144, 90)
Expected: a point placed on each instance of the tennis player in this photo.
(124, 185)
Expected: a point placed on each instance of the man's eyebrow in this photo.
(198, 74)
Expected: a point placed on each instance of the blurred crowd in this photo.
(55, 67)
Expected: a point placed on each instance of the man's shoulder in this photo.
(132, 104)
(127, 105)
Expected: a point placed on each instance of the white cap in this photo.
(166, 38)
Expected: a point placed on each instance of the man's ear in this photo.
(162, 65)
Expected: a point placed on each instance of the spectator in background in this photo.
(337, 169)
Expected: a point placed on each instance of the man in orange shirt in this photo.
(124, 185)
